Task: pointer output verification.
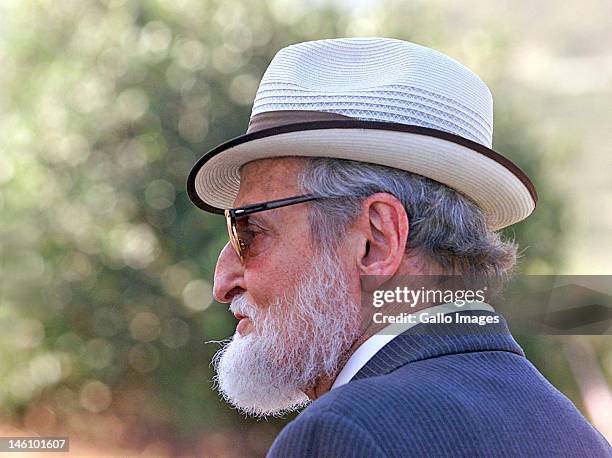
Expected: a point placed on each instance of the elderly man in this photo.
(367, 160)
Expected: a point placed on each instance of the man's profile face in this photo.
(281, 246)
(299, 300)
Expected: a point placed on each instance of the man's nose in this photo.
(229, 279)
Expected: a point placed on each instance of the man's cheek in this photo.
(267, 288)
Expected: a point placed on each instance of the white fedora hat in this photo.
(376, 100)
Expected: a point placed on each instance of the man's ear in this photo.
(383, 227)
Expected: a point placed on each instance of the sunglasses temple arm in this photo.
(290, 201)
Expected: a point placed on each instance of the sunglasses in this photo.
(237, 220)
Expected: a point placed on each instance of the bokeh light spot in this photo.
(175, 333)
(95, 396)
(143, 357)
(160, 194)
(145, 327)
(197, 295)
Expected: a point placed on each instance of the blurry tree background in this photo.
(106, 267)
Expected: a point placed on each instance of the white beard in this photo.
(300, 337)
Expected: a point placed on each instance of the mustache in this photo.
(240, 304)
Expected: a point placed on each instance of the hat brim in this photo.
(499, 187)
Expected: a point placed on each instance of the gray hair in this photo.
(444, 226)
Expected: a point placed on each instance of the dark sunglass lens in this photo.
(245, 236)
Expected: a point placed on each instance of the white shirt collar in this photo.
(372, 345)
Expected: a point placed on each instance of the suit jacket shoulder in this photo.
(424, 395)
(325, 433)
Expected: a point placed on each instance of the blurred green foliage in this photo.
(106, 267)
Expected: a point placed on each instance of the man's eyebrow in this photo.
(258, 218)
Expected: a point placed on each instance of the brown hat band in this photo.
(270, 119)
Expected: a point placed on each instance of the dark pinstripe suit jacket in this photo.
(444, 390)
